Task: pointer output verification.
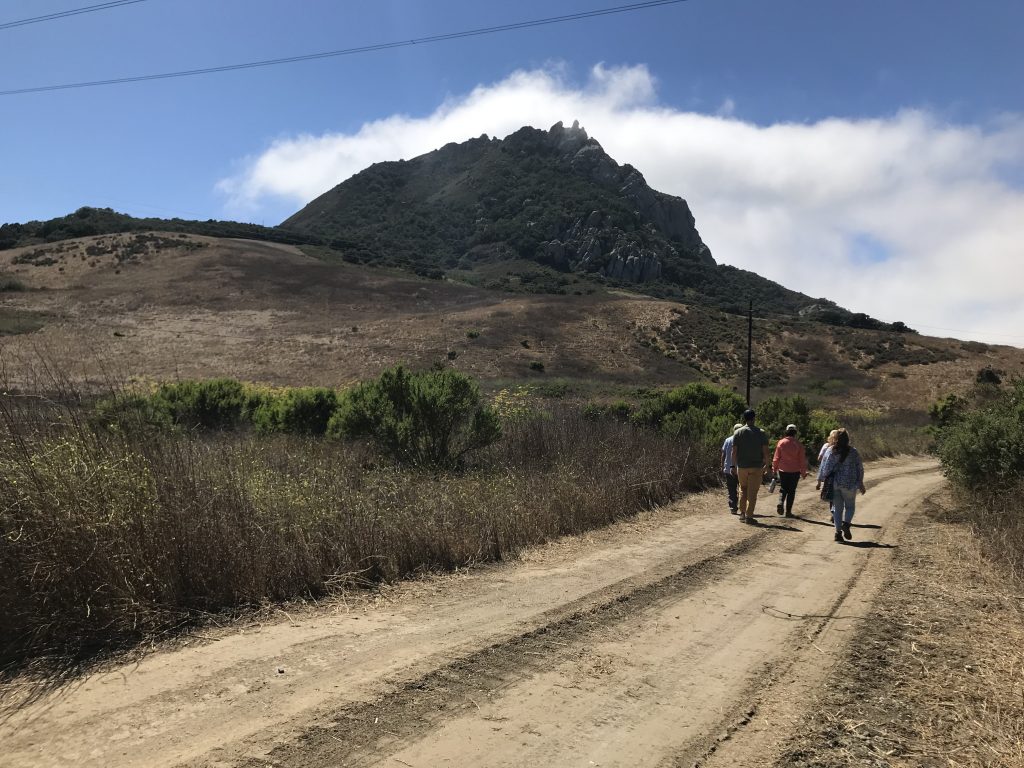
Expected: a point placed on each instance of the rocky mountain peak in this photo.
(555, 197)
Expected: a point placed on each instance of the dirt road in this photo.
(680, 638)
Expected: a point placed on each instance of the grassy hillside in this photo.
(162, 305)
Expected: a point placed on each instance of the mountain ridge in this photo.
(538, 211)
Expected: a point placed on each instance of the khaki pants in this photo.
(750, 483)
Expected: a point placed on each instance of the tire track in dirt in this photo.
(419, 705)
(433, 719)
(680, 674)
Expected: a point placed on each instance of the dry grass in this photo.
(196, 307)
(997, 523)
(936, 677)
(113, 537)
(881, 434)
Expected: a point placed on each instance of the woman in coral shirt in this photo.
(789, 464)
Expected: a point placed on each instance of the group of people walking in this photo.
(747, 462)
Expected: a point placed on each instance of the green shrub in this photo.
(696, 411)
(983, 447)
(432, 419)
(553, 389)
(299, 411)
(698, 424)
(129, 412)
(212, 404)
(774, 414)
(989, 375)
(821, 423)
(620, 410)
(947, 410)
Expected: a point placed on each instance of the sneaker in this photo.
(839, 537)
(779, 509)
(789, 514)
(847, 532)
(733, 511)
(751, 520)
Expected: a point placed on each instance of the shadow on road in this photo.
(780, 527)
(828, 523)
(812, 522)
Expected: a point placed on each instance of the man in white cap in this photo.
(789, 465)
(731, 483)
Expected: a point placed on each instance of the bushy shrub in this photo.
(821, 423)
(620, 410)
(129, 412)
(989, 375)
(983, 447)
(431, 419)
(699, 412)
(298, 411)
(212, 404)
(774, 414)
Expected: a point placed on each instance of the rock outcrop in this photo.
(553, 196)
(593, 245)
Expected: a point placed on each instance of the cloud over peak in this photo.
(905, 216)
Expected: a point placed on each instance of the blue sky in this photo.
(730, 92)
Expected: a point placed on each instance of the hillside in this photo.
(86, 222)
(545, 212)
(161, 305)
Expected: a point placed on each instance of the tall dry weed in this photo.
(112, 533)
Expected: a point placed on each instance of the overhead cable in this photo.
(352, 51)
(65, 14)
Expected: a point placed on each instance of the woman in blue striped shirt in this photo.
(844, 464)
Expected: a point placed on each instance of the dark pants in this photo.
(731, 484)
(787, 489)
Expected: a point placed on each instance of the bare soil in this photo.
(680, 638)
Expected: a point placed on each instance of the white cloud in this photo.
(794, 202)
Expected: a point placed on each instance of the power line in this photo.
(65, 14)
(352, 51)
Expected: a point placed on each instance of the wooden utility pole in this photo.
(750, 344)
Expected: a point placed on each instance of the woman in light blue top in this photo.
(844, 465)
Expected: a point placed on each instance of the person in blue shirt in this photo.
(731, 483)
(844, 465)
